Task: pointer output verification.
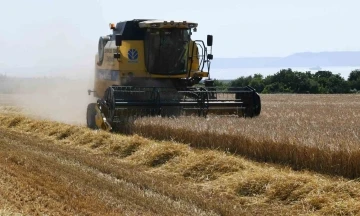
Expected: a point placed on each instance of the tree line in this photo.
(289, 81)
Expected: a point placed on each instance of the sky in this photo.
(59, 35)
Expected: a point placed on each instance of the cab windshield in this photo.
(166, 51)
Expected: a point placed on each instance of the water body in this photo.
(217, 73)
(233, 73)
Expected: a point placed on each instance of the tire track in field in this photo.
(38, 177)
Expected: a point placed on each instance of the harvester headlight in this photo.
(172, 22)
(184, 22)
(165, 22)
(112, 25)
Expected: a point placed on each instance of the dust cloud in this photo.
(62, 100)
(48, 57)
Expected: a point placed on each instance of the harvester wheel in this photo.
(90, 116)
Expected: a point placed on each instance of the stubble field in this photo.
(205, 169)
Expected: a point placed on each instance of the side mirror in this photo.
(118, 39)
(209, 40)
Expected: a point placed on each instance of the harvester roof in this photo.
(154, 23)
(135, 29)
(167, 24)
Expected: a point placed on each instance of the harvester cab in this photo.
(150, 67)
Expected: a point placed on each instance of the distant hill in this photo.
(305, 59)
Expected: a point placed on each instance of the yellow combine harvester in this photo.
(152, 67)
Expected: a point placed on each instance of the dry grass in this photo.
(203, 181)
(315, 132)
(45, 174)
(5, 211)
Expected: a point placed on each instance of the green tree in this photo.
(337, 84)
(354, 75)
(331, 83)
(257, 82)
(241, 81)
(276, 88)
(219, 83)
(303, 83)
(289, 81)
(354, 80)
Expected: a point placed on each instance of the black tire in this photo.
(101, 50)
(90, 116)
(101, 47)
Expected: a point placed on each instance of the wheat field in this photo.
(316, 132)
(202, 169)
(73, 170)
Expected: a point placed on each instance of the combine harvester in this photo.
(154, 68)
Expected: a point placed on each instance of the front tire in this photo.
(90, 116)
